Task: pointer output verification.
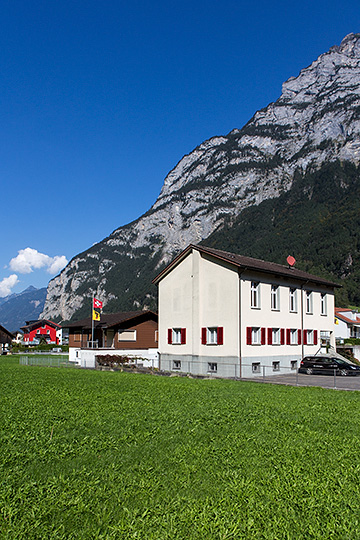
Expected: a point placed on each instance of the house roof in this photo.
(32, 325)
(109, 320)
(347, 320)
(3, 329)
(250, 263)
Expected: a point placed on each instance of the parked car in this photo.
(327, 365)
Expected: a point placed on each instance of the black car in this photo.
(327, 365)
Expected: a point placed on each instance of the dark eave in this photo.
(109, 320)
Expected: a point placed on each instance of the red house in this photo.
(36, 331)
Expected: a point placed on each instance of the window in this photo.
(275, 336)
(255, 336)
(293, 300)
(176, 364)
(255, 294)
(323, 304)
(310, 337)
(48, 332)
(212, 367)
(292, 337)
(127, 335)
(275, 303)
(212, 335)
(276, 366)
(309, 302)
(255, 367)
(177, 336)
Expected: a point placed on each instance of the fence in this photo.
(266, 372)
(48, 361)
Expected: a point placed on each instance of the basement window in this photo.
(212, 367)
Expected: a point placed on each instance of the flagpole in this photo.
(92, 322)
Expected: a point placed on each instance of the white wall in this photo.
(201, 291)
(86, 357)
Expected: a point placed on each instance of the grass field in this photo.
(109, 455)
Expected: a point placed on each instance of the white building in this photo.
(347, 323)
(234, 316)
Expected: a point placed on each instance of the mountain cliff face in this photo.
(315, 121)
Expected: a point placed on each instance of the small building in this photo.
(233, 316)
(347, 323)
(347, 326)
(41, 330)
(133, 333)
(6, 339)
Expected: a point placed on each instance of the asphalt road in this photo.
(300, 379)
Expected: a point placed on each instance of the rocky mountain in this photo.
(315, 121)
(15, 309)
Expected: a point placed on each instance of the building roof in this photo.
(249, 263)
(339, 314)
(31, 325)
(109, 320)
(3, 329)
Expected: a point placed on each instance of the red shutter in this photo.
(269, 336)
(282, 336)
(170, 336)
(203, 336)
(305, 337)
(183, 336)
(299, 337)
(288, 336)
(220, 335)
(315, 337)
(263, 336)
(248, 335)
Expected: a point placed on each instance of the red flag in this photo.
(97, 303)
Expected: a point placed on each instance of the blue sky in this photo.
(100, 100)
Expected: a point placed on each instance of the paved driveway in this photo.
(300, 379)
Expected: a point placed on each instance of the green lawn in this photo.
(109, 455)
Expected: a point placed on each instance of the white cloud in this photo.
(7, 284)
(29, 259)
(58, 263)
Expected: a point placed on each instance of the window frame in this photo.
(275, 297)
(255, 295)
(276, 365)
(176, 365)
(212, 367)
(255, 335)
(176, 336)
(309, 305)
(212, 335)
(256, 367)
(323, 304)
(293, 308)
(294, 336)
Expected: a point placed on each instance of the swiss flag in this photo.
(97, 303)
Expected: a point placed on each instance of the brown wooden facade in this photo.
(124, 330)
(6, 337)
